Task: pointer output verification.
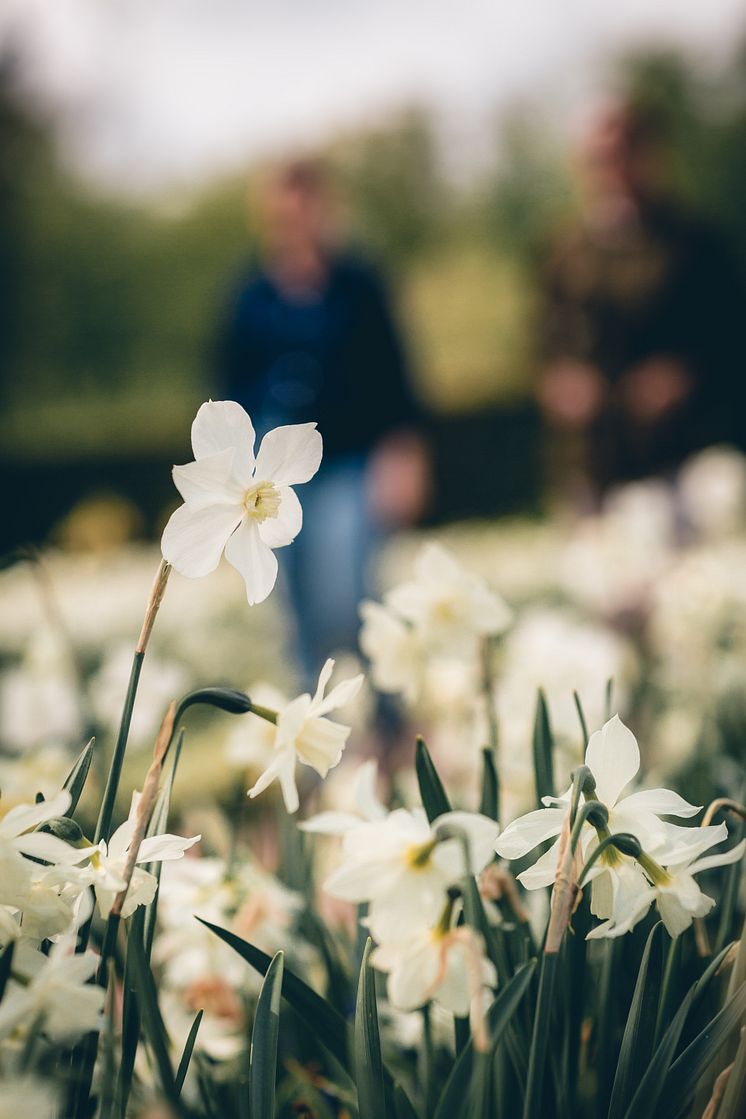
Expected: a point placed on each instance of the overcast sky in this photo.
(156, 93)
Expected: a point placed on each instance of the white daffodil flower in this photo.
(395, 650)
(404, 866)
(447, 603)
(444, 964)
(303, 734)
(366, 799)
(105, 871)
(613, 757)
(671, 886)
(236, 503)
(55, 989)
(19, 845)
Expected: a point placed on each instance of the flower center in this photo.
(262, 501)
(418, 854)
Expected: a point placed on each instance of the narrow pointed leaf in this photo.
(489, 800)
(186, 1055)
(499, 1018)
(402, 1106)
(434, 797)
(369, 1071)
(637, 1043)
(6, 961)
(686, 1070)
(76, 778)
(537, 1063)
(155, 1031)
(263, 1058)
(543, 747)
(328, 1025)
(646, 1100)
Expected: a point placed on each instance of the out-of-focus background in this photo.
(492, 163)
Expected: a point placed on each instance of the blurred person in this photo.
(310, 336)
(643, 347)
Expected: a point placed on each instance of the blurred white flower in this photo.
(28, 1095)
(447, 965)
(303, 734)
(395, 650)
(712, 488)
(250, 743)
(108, 861)
(447, 604)
(556, 651)
(235, 503)
(39, 697)
(403, 866)
(612, 561)
(42, 770)
(367, 802)
(160, 682)
(55, 988)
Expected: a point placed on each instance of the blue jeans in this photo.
(326, 568)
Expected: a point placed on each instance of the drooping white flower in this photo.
(236, 503)
(105, 871)
(446, 603)
(55, 989)
(370, 808)
(403, 866)
(447, 965)
(613, 757)
(395, 649)
(668, 880)
(305, 735)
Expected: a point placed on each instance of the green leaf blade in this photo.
(264, 1039)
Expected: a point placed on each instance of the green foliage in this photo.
(369, 1072)
(434, 797)
(263, 1058)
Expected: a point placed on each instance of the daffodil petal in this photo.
(207, 481)
(257, 563)
(283, 528)
(289, 455)
(661, 802)
(613, 757)
(220, 424)
(162, 848)
(194, 539)
(340, 695)
(529, 831)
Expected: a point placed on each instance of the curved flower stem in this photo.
(722, 804)
(103, 826)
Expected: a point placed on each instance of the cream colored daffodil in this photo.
(236, 503)
(305, 735)
(403, 866)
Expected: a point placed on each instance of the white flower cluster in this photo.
(45, 897)
(624, 886)
(198, 971)
(436, 619)
(406, 870)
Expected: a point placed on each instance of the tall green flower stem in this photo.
(489, 690)
(103, 826)
(564, 896)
